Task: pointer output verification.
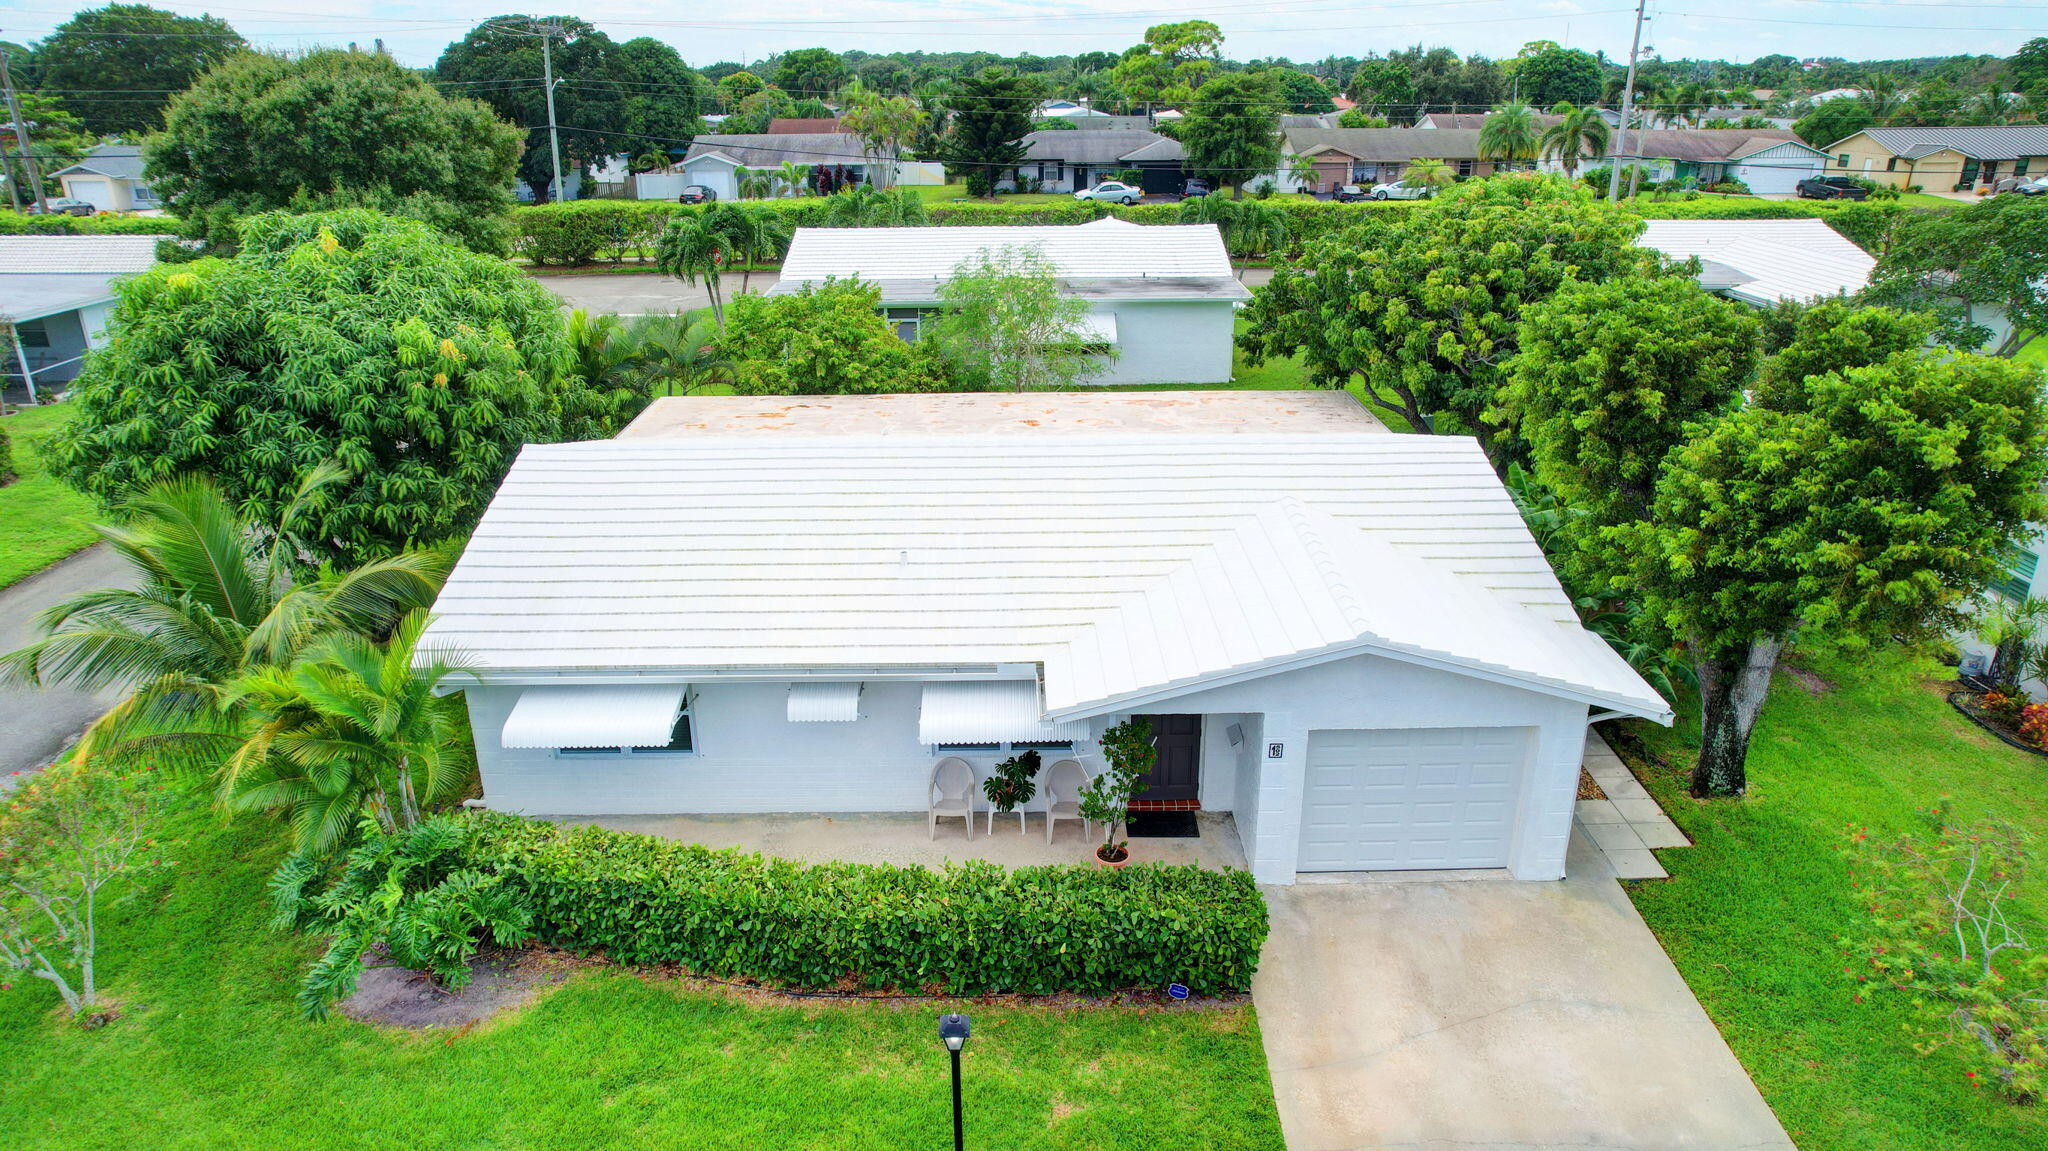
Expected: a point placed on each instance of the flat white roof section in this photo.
(622, 715)
(824, 702)
(1764, 261)
(997, 711)
(1005, 413)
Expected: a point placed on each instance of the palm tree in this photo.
(212, 598)
(754, 234)
(350, 727)
(864, 207)
(673, 355)
(1432, 173)
(1580, 134)
(1994, 105)
(1511, 134)
(753, 183)
(794, 178)
(1882, 92)
(692, 250)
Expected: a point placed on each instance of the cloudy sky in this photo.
(1301, 29)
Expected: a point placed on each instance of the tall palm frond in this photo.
(1510, 134)
(1579, 134)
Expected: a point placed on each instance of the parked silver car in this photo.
(1401, 190)
(1111, 191)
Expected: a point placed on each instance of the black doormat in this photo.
(1163, 825)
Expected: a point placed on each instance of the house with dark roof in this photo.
(1942, 159)
(804, 125)
(1063, 160)
(714, 161)
(110, 179)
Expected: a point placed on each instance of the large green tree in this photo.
(1301, 92)
(1172, 63)
(1383, 87)
(824, 339)
(56, 139)
(1424, 305)
(1874, 508)
(1231, 130)
(610, 98)
(344, 337)
(1609, 374)
(1545, 74)
(815, 73)
(1008, 325)
(116, 67)
(1834, 120)
(1981, 270)
(331, 127)
(990, 116)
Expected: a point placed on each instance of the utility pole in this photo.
(1628, 107)
(548, 32)
(28, 159)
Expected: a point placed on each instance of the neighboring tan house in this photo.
(1942, 159)
(1344, 638)
(1763, 262)
(1067, 160)
(56, 293)
(1163, 296)
(1369, 156)
(110, 179)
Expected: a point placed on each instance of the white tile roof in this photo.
(1121, 563)
(1106, 248)
(1775, 259)
(76, 255)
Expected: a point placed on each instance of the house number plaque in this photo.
(1276, 751)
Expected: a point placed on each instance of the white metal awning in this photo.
(989, 712)
(824, 702)
(1098, 327)
(600, 715)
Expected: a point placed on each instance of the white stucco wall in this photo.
(1369, 692)
(1170, 343)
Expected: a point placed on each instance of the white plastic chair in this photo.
(951, 794)
(1063, 783)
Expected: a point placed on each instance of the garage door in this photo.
(1397, 800)
(1780, 177)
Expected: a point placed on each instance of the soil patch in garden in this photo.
(1814, 685)
(500, 981)
(1589, 788)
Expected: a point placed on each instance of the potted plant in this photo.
(1012, 785)
(1107, 799)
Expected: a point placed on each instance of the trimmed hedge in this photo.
(971, 928)
(18, 224)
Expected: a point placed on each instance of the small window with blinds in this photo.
(2020, 567)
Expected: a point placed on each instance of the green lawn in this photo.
(41, 519)
(1925, 200)
(209, 1053)
(1751, 911)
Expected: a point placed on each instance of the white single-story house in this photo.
(714, 161)
(1068, 161)
(110, 179)
(1345, 638)
(1771, 161)
(1764, 261)
(1162, 295)
(56, 293)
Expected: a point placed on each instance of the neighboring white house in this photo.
(1347, 637)
(55, 295)
(110, 179)
(1163, 296)
(1764, 261)
(714, 161)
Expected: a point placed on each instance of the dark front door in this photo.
(1178, 772)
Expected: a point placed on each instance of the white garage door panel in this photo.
(1412, 799)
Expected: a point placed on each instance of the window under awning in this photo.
(594, 715)
(824, 702)
(997, 711)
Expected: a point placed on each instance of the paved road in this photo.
(633, 294)
(36, 724)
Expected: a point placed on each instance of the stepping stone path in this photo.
(1628, 823)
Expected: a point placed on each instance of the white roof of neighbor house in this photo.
(1109, 257)
(45, 275)
(997, 413)
(1770, 260)
(1128, 565)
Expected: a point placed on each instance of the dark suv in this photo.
(697, 194)
(1193, 189)
(1832, 188)
(1348, 193)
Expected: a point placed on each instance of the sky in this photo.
(1303, 30)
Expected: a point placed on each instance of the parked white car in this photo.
(1401, 190)
(1111, 191)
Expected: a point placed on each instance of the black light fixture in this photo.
(953, 1032)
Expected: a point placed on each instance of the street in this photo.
(36, 724)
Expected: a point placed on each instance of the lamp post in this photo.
(953, 1032)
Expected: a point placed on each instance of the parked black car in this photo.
(1194, 188)
(1831, 188)
(696, 194)
(1346, 193)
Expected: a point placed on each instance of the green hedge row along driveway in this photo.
(210, 1054)
(1751, 912)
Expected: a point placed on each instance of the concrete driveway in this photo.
(1492, 1014)
(36, 724)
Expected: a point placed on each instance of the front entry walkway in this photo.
(1438, 1014)
(901, 838)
